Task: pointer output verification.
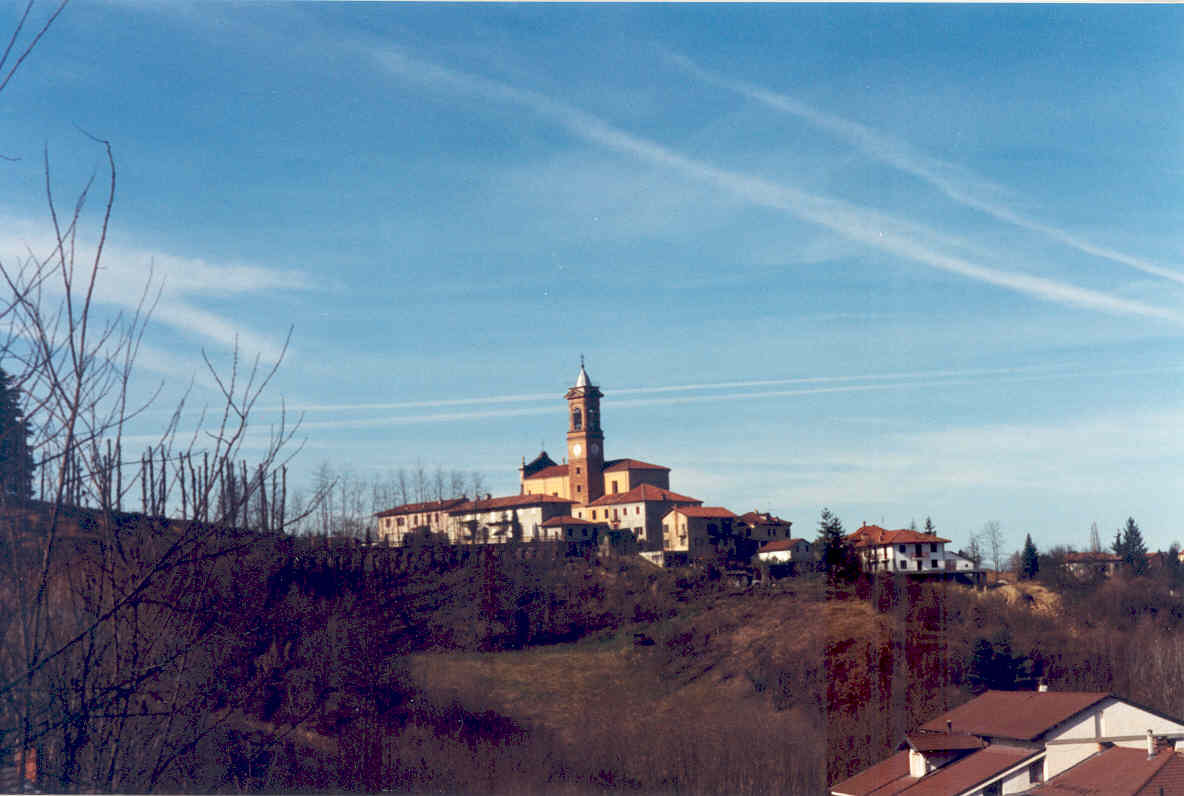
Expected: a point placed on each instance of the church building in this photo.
(585, 496)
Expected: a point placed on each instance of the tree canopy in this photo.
(1128, 545)
(16, 461)
(1029, 560)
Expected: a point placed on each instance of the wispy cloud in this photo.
(126, 271)
(876, 230)
(952, 181)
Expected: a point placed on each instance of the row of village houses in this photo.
(650, 518)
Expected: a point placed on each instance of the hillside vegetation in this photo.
(575, 674)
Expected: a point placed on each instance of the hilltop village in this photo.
(627, 505)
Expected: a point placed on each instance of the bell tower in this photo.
(585, 440)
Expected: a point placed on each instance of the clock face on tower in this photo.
(576, 449)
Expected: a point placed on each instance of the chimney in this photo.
(1150, 744)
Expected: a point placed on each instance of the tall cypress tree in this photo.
(16, 461)
(1029, 560)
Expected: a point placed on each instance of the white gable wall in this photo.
(1111, 720)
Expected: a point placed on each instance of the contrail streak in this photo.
(902, 157)
(855, 223)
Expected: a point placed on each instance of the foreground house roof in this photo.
(1016, 715)
(1119, 772)
(891, 776)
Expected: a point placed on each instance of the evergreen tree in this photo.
(930, 528)
(836, 554)
(1128, 545)
(16, 461)
(1029, 560)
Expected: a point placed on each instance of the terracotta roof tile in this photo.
(553, 471)
(705, 511)
(613, 465)
(1021, 715)
(872, 535)
(780, 544)
(512, 501)
(1091, 558)
(1117, 772)
(974, 769)
(642, 493)
(877, 779)
(943, 741)
(567, 519)
(756, 517)
(416, 508)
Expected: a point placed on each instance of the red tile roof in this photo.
(755, 517)
(1118, 772)
(567, 519)
(1091, 558)
(613, 465)
(974, 769)
(780, 544)
(416, 508)
(943, 741)
(549, 472)
(718, 512)
(1020, 715)
(878, 779)
(642, 493)
(872, 535)
(513, 501)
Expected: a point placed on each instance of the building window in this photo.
(577, 422)
(577, 471)
(933, 563)
(615, 489)
(994, 789)
(1036, 772)
(917, 549)
(637, 509)
(593, 513)
(933, 547)
(902, 548)
(579, 488)
(904, 564)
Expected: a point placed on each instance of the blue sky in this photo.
(898, 261)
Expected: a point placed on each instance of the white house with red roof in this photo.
(906, 551)
(787, 551)
(1039, 742)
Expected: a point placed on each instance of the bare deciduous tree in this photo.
(101, 653)
(992, 536)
